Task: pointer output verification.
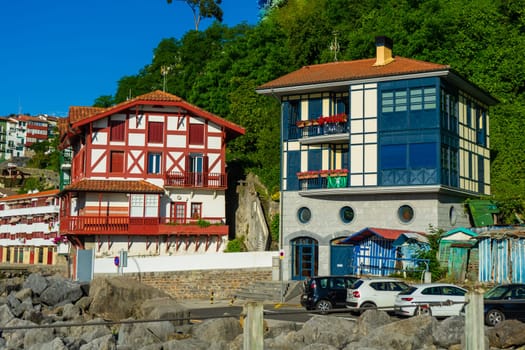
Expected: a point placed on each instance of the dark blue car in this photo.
(504, 302)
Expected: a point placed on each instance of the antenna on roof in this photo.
(164, 70)
(334, 45)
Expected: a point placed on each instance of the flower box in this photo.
(311, 174)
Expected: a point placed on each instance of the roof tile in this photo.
(122, 186)
(351, 70)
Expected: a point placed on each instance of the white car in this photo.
(436, 299)
(377, 293)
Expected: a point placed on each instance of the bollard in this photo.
(253, 326)
(474, 327)
(211, 297)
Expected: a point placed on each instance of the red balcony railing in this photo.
(143, 226)
(192, 179)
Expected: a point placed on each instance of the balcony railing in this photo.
(140, 225)
(317, 179)
(330, 125)
(193, 179)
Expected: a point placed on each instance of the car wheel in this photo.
(366, 306)
(494, 317)
(324, 306)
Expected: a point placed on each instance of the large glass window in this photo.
(144, 205)
(411, 156)
(422, 155)
(394, 101)
(420, 98)
(136, 205)
(394, 157)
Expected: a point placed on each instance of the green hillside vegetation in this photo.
(219, 68)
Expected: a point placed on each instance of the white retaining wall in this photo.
(217, 261)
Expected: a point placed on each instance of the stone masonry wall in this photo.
(199, 284)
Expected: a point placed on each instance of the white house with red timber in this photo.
(147, 176)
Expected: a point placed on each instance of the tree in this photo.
(203, 9)
(104, 101)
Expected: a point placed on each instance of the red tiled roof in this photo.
(79, 116)
(30, 195)
(122, 186)
(77, 113)
(351, 70)
(385, 233)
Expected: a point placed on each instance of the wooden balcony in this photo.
(192, 179)
(124, 225)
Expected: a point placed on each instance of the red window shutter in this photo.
(205, 169)
(117, 162)
(156, 132)
(196, 134)
(117, 130)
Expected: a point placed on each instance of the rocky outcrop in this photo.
(77, 317)
(123, 295)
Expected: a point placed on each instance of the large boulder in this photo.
(217, 330)
(370, 320)
(507, 334)
(119, 298)
(164, 309)
(138, 335)
(36, 282)
(413, 333)
(328, 330)
(55, 344)
(5, 315)
(449, 332)
(38, 336)
(61, 291)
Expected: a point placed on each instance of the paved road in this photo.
(200, 310)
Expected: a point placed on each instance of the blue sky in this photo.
(61, 53)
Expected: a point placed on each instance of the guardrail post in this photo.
(253, 326)
(474, 326)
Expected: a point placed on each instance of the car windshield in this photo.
(496, 292)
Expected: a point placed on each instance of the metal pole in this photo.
(474, 328)
(253, 326)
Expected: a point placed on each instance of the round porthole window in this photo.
(453, 215)
(347, 214)
(405, 213)
(304, 214)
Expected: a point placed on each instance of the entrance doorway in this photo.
(305, 256)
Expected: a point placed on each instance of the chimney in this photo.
(383, 51)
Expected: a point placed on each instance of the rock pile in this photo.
(53, 313)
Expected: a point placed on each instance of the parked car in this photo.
(436, 299)
(324, 293)
(368, 293)
(503, 302)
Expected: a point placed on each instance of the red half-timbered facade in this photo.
(147, 176)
